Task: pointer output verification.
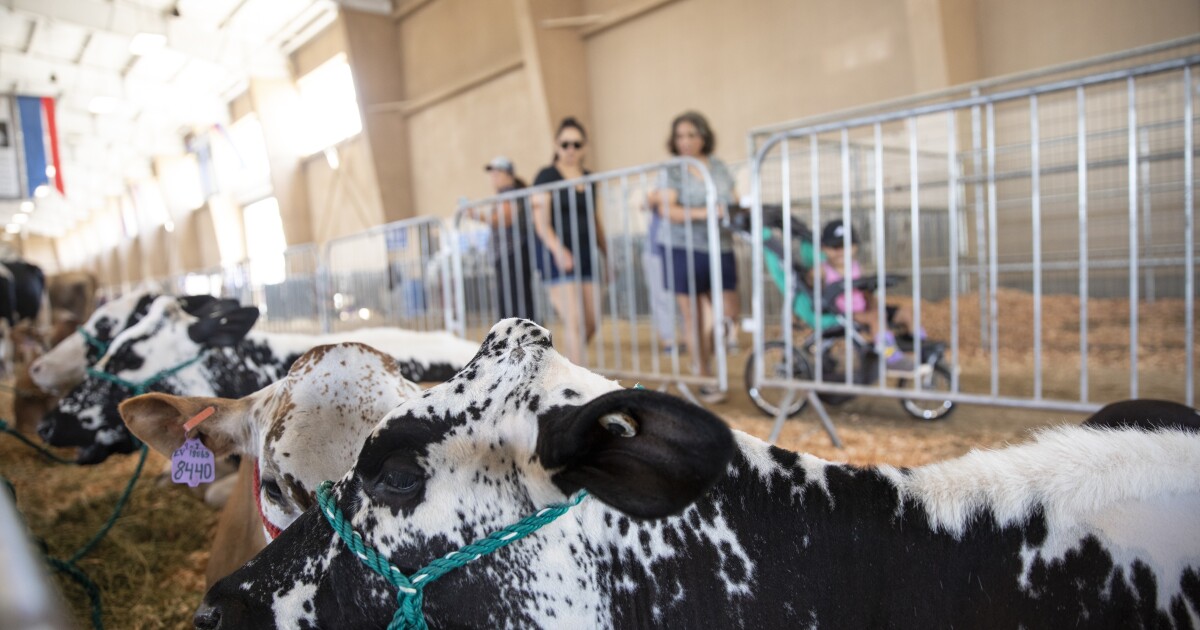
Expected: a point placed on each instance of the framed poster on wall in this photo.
(10, 163)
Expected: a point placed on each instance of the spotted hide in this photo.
(216, 354)
(294, 433)
(691, 525)
(65, 365)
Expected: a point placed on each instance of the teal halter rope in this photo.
(410, 593)
(100, 346)
(69, 566)
(141, 387)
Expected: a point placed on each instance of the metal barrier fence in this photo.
(637, 293)
(396, 274)
(1160, 51)
(1086, 186)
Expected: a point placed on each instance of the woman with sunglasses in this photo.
(567, 225)
(681, 199)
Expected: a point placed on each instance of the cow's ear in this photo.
(211, 307)
(158, 419)
(193, 303)
(224, 328)
(644, 453)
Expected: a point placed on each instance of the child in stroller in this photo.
(839, 338)
(862, 308)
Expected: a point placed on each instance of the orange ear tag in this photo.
(198, 418)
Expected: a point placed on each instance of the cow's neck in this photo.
(790, 539)
(253, 363)
(777, 519)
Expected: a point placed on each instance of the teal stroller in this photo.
(836, 333)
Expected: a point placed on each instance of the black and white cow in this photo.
(65, 365)
(691, 525)
(22, 286)
(233, 362)
(1146, 414)
(21, 291)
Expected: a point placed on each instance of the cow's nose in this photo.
(207, 617)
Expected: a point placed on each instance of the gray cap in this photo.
(500, 163)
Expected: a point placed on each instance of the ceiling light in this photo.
(13, 228)
(20, 218)
(146, 43)
(50, 170)
(27, 206)
(41, 191)
(169, 226)
(103, 105)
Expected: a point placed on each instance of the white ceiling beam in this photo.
(33, 27)
(122, 19)
(378, 7)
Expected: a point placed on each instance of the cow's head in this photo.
(65, 365)
(166, 337)
(302, 429)
(518, 428)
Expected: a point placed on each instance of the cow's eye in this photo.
(274, 492)
(401, 481)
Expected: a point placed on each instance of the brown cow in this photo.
(29, 402)
(74, 291)
(300, 431)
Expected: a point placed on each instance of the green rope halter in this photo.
(410, 589)
(69, 567)
(141, 387)
(100, 346)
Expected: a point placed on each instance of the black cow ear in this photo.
(215, 307)
(194, 303)
(645, 453)
(225, 328)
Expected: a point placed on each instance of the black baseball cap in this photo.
(835, 233)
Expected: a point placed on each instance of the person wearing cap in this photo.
(862, 307)
(512, 255)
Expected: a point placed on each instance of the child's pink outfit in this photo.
(834, 274)
(885, 341)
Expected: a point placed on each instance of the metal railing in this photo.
(1142, 55)
(1084, 181)
(397, 274)
(636, 303)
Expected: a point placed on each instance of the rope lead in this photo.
(410, 589)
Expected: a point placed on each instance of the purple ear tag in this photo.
(192, 464)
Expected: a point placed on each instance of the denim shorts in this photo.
(679, 272)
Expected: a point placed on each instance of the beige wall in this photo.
(1017, 35)
(452, 141)
(741, 63)
(39, 250)
(450, 40)
(346, 200)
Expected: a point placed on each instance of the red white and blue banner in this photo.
(40, 134)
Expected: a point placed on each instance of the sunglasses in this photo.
(567, 144)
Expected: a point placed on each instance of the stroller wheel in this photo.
(771, 399)
(930, 410)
